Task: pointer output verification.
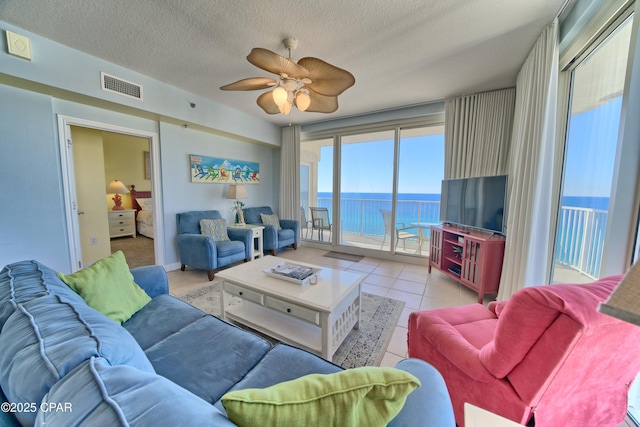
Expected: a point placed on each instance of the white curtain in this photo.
(531, 168)
(478, 134)
(290, 173)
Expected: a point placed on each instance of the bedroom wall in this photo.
(124, 160)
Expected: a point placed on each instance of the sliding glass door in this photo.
(366, 188)
(316, 189)
(388, 185)
(591, 143)
(420, 173)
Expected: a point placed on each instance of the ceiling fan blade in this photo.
(276, 64)
(266, 102)
(327, 79)
(321, 103)
(252, 83)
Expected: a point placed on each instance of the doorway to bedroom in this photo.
(101, 158)
(94, 156)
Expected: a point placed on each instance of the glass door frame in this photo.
(618, 247)
(433, 119)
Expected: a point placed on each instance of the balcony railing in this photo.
(579, 242)
(580, 239)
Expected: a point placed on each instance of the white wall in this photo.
(67, 73)
(62, 81)
(32, 219)
(180, 194)
(33, 224)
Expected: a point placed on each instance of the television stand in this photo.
(471, 258)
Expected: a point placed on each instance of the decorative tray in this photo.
(295, 273)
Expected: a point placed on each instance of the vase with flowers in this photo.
(237, 207)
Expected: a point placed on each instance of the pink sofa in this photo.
(545, 353)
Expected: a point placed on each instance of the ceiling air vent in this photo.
(123, 87)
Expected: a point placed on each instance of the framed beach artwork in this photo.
(217, 170)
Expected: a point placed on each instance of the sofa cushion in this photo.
(270, 220)
(163, 316)
(99, 394)
(189, 222)
(46, 338)
(367, 396)
(6, 417)
(531, 311)
(214, 228)
(283, 363)
(285, 235)
(208, 356)
(23, 281)
(108, 286)
(229, 248)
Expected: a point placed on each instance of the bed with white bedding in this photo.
(142, 202)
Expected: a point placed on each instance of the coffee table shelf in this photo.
(277, 325)
(317, 317)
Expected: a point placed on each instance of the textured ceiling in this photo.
(401, 52)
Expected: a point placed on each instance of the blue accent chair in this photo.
(272, 239)
(202, 252)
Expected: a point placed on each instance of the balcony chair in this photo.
(321, 221)
(204, 252)
(401, 233)
(544, 356)
(305, 224)
(277, 235)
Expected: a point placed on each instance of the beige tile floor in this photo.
(405, 282)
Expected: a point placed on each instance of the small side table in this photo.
(257, 238)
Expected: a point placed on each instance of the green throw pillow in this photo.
(108, 287)
(271, 220)
(214, 228)
(367, 396)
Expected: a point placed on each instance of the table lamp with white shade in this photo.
(117, 187)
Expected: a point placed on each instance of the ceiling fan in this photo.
(310, 84)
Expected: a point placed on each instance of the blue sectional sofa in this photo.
(63, 363)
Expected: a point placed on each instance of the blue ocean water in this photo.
(600, 203)
(361, 211)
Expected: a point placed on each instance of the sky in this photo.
(368, 167)
(590, 155)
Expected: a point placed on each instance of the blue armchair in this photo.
(203, 252)
(273, 239)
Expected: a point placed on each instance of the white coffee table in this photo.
(315, 317)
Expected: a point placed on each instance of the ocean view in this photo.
(581, 220)
(414, 207)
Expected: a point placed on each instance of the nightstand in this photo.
(122, 223)
(257, 238)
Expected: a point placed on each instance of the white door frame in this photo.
(69, 183)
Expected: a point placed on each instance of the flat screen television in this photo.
(475, 202)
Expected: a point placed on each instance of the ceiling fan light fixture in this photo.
(302, 100)
(310, 84)
(280, 96)
(285, 108)
(290, 85)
